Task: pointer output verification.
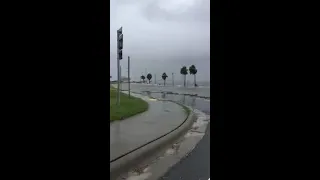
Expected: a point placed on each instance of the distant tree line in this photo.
(183, 71)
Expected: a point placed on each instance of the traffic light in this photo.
(120, 43)
(119, 30)
(120, 54)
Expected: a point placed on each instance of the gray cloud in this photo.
(162, 36)
(194, 11)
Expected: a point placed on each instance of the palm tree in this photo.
(193, 70)
(142, 77)
(149, 76)
(184, 71)
(164, 77)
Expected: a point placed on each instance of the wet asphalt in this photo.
(195, 166)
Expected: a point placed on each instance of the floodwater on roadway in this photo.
(165, 92)
(200, 91)
(192, 101)
(197, 164)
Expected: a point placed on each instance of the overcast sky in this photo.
(161, 36)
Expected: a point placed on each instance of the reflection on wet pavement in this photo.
(202, 92)
(192, 101)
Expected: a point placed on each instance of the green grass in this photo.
(128, 106)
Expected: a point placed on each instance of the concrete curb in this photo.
(125, 163)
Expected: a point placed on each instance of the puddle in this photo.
(143, 176)
(199, 123)
(192, 101)
(173, 150)
(139, 173)
(170, 152)
(193, 134)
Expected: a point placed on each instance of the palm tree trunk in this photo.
(195, 80)
(184, 82)
(164, 82)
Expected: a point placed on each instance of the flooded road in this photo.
(199, 91)
(197, 164)
(192, 101)
(197, 98)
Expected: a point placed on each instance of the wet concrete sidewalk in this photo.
(128, 134)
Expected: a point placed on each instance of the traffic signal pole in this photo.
(120, 79)
(119, 57)
(118, 68)
(129, 75)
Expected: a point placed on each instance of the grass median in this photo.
(128, 106)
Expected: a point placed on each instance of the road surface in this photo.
(196, 166)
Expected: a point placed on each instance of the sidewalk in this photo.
(128, 134)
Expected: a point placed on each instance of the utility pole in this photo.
(129, 74)
(120, 79)
(119, 57)
(172, 80)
